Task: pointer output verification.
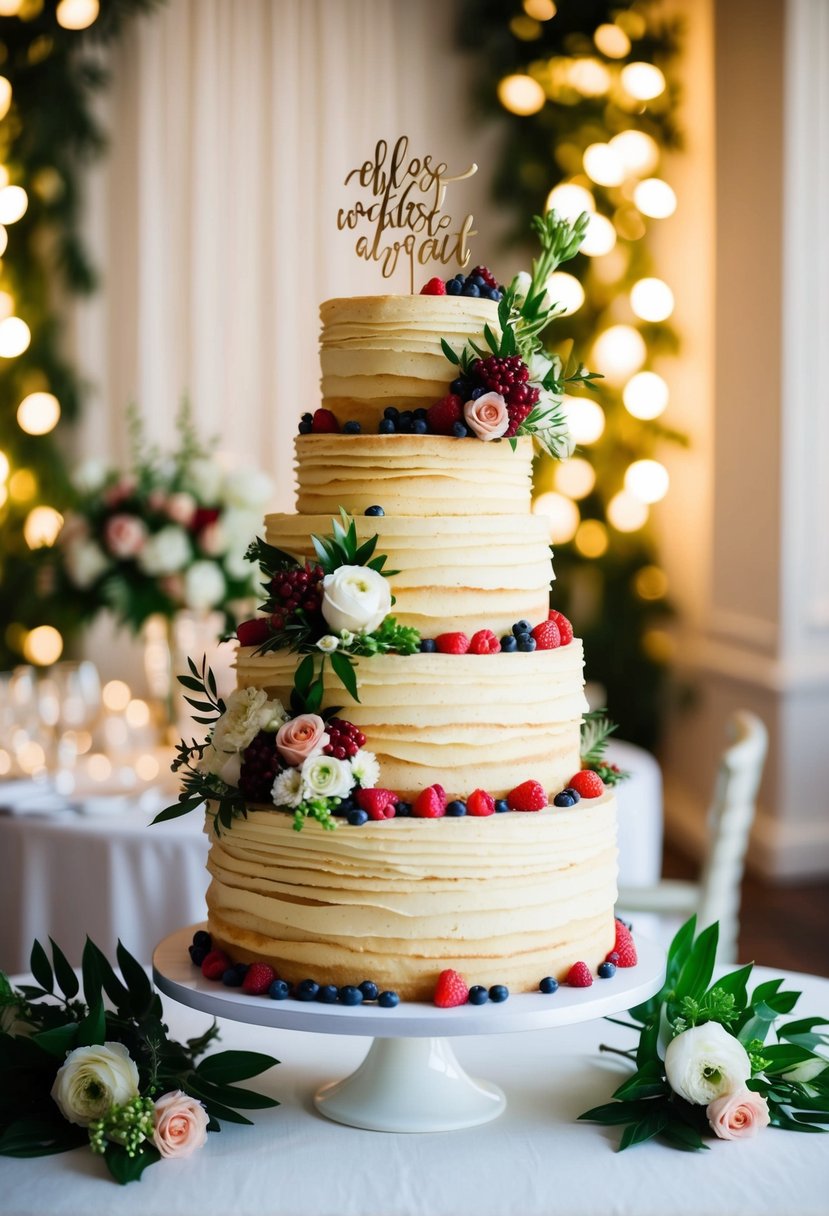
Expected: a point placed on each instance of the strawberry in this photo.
(258, 979)
(547, 636)
(529, 796)
(215, 965)
(324, 423)
(484, 642)
(587, 783)
(430, 803)
(579, 976)
(452, 643)
(254, 632)
(480, 803)
(565, 629)
(450, 990)
(377, 803)
(624, 946)
(443, 415)
(435, 287)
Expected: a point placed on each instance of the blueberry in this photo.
(241, 969)
(607, 971)
(494, 294)
(402, 810)
(279, 990)
(460, 277)
(374, 511)
(352, 428)
(202, 938)
(527, 642)
(388, 1000)
(456, 807)
(478, 995)
(369, 990)
(307, 416)
(498, 992)
(232, 978)
(328, 994)
(471, 290)
(574, 794)
(357, 818)
(391, 411)
(508, 643)
(428, 645)
(563, 799)
(387, 427)
(478, 281)
(305, 428)
(349, 995)
(521, 627)
(548, 984)
(406, 417)
(307, 990)
(420, 426)
(501, 805)
(198, 954)
(453, 288)
(459, 430)
(457, 386)
(421, 414)
(477, 392)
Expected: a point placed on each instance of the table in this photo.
(534, 1160)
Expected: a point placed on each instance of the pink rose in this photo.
(487, 417)
(180, 1124)
(124, 535)
(737, 1115)
(212, 540)
(120, 492)
(156, 500)
(300, 738)
(181, 508)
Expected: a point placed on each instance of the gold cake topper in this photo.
(405, 211)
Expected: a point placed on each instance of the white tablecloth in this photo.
(535, 1160)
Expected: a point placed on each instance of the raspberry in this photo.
(486, 274)
(377, 803)
(260, 764)
(258, 979)
(435, 287)
(443, 415)
(430, 803)
(484, 642)
(565, 629)
(452, 643)
(324, 423)
(547, 636)
(624, 947)
(480, 803)
(344, 739)
(450, 990)
(253, 633)
(529, 796)
(215, 965)
(579, 976)
(587, 783)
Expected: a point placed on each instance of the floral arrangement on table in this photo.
(703, 1066)
(171, 533)
(74, 1072)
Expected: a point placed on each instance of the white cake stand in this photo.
(410, 1081)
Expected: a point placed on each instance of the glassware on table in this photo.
(69, 702)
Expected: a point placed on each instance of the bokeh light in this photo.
(575, 477)
(626, 513)
(521, 95)
(612, 41)
(647, 480)
(43, 646)
(566, 291)
(77, 14)
(638, 152)
(38, 413)
(562, 513)
(99, 767)
(655, 198)
(147, 767)
(15, 337)
(599, 238)
(570, 200)
(13, 203)
(116, 696)
(618, 352)
(585, 420)
(540, 10)
(5, 96)
(42, 527)
(650, 583)
(4, 240)
(646, 395)
(589, 77)
(604, 165)
(644, 81)
(137, 713)
(652, 299)
(591, 538)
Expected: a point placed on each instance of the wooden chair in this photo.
(716, 896)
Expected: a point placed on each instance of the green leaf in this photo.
(784, 1056)
(41, 968)
(735, 983)
(763, 991)
(59, 1040)
(618, 1112)
(304, 675)
(38, 1137)
(698, 968)
(648, 1082)
(681, 1135)
(126, 1169)
(344, 668)
(64, 973)
(92, 1030)
(450, 354)
(184, 807)
(680, 947)
(646, 1052)
(225, 1066)
(140, 989)
(645, 1129)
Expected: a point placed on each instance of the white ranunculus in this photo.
(247, 711)
(92, 1080)
(365, 769)
(288, 789)
(326, 777)
(705, 1062)
(85, 562)
(204, 586)
(203, 479)
(247, 488)
(355, 598)
(90, 475)
(167, 552)
(539, 365)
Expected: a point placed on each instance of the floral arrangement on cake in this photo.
(170, 533)
(703, 1066)
(74, 1071)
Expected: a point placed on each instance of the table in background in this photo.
(534, 1160)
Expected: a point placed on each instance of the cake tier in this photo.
(420, 475)
(385, 350)
(462, 721)
(506, 899)
(453, 574)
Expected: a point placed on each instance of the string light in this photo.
(599, 238)
(13, 203)
(626, 513)
(42, 527)
(612, 41)
(647, 480)
(570, 200)
(652, 300)
(655, 198)
(585, 420)
(15, 336)
(618, 352)
(5, 96)
(38, 413)
(575, 477)
(540, 10)
(77, 14)
(591, 538)
(521, 95)
(604, 165)
(638, 152)
(43, 646)
(566, 291)
(646, 395)
(643, 81)
(562, 513)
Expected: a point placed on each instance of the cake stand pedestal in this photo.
(410, 1081)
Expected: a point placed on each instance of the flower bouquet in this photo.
(74, 1072)
(703, 1065)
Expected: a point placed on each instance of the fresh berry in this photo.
(328, 994)
(295, 590)
(521, 628)
(232, 978)
(427, 646)
(443, 415)
(484, 642)
(454, 287)
(202, 938)
(450, 990)
(387, 426)
(548, 985)
(606, 971)
(528, 796)
(391, 411)
(305, 428)
(456, 807)
(547, 636)
(478, 995)
(508, 644)
(587, 784)
(452, 643)
(307, 990)
(501, 805)
(420, 426)
(258, 979)
(254, 632)
(369, 990)
(344, 739)
(260, 764)
(197, 954)
(388, 1000)
(377, 803)
(350, 995)
(483, 272)
(435, 287)
(527, 643)
(324, 423)
(352, 428)
(374, 511)
(214, 965)
(624, 946)
(480, 803)
(565, 629)
(509, 377)
(357, 818)
(613, 957)
(279, 991)
(430, 803)
(402, 810)
(579, 976)
(574, 794)
(564, 799)
(498, 993)
(460, 430)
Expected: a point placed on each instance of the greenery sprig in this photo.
(596, 729)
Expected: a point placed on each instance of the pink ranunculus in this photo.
(487, 417)
(738, 1115)
(125, 535)
(180, 1124)
(301, 737)
(181, 507)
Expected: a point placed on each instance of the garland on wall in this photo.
(585, 96)
(50, 71)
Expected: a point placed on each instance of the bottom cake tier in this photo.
(506, 899)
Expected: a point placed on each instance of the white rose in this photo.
(92, 1080)
(705, 1062)
(326, 777)
(247, 711)
(365, 769)
(288, 788)
(203, 478)
(204, 586)
(85, 562)
(355, 598)
(247, 488)
(167, 552)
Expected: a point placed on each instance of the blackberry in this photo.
(344, 739)
(260, 764)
